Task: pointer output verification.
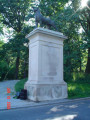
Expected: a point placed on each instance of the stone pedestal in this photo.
(45, 77)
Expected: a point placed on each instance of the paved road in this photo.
(77, 110)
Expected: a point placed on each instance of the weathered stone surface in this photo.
(45, 79)
(46, 92)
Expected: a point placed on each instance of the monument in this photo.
(45, 76)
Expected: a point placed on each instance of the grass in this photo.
(75, 90)
(78, 90)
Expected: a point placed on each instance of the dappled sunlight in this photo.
(73, 106)
(72, 87)
(83, 3)
(61, 108)
(54, 109)
(66, 117)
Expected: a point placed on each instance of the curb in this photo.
(47, 103)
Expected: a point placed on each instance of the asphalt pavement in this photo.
(75, 110)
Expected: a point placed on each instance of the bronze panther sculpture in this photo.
(39, 18)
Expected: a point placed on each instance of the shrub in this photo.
(20, 85)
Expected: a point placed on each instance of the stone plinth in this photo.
(45, 77)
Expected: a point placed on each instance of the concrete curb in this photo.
(47, 103)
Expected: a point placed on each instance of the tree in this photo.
(14, 13)
(83, 17)
(74, 16)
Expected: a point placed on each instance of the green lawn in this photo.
(75, 90)
(78, 90)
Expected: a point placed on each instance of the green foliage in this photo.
(17, 46)
(77, 90)
(6, 71)
(1, 25)
(20, 85)
(3, 69)
(79, 77)
(14, 12)
(67, 21)
(81, 17)
(50, 8)
(78, 85)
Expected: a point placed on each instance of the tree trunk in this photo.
(80, 65)
(17, 67)
(24, 69)
(88, 62)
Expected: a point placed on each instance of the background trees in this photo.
(83, 18)
(13, 13)
(69, 17)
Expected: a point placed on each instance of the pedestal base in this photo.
(44, 92)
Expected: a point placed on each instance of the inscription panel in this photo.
(50, 58)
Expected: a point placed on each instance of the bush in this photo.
(20, 85)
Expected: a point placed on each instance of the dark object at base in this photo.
(23, 94)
